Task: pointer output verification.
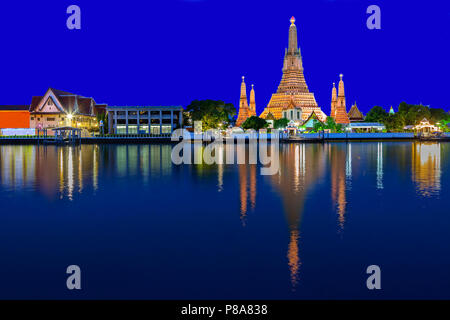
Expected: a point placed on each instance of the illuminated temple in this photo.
(293, 85)
(246, 111)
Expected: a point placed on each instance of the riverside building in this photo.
(144, 120)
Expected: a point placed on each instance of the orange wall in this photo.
(14, 119)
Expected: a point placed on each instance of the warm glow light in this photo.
(69, 116)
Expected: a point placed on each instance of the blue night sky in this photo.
(170, 52)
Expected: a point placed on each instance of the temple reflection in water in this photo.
(298, 175)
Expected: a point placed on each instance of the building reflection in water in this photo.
(64, 171)
(18, 168)
(299, 172)
(380, 165)
(426, 168)
(340, 170)
(247, 180)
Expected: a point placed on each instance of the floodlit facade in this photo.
(60, 108)
(293, 85)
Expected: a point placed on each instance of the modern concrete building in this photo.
(144, 120)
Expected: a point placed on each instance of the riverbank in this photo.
(303, 138)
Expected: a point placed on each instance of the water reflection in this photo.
(65, 172)
(298, 175)
(340, 157)
(380, 165)
(426, 168)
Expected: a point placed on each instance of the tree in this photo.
(280, 123)
(255, 123)
(319, 126)
(213, 114)
(376, 114)
(394, 122)
(411, 114)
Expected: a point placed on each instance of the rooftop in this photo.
(366, 124)
(15, 108)
(144, 107)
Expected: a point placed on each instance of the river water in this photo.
(141, 227)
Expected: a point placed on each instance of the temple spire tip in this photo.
(292, 20)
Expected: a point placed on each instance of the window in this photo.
(143, 113)
(154, 130)
(132, 129)
(121, 121)
(166, 121)
(132, 113)
(121, 130)
(166, 113)
(166, 129)
(143, 121)
(155, 121)
(132, 121)
(32, 118)
(120, 113)
(298, 115)
(50, 102)
(154, 113)
(292, 115)
(143, 129)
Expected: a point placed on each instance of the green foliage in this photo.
(411, 114)
(408, 114)
(376, 114)
(280, 123)
(255, 122)
(318, 126)
(213, 114)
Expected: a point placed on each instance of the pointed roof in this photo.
(291, 104)
(312, 117)
(355, 114)
(270, 116)
(65, 101)
(391, 111)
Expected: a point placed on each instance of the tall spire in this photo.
(341, 87)
(243, 90)
(293, 84)
(243, 105)
(341, 110)
(333, 101)
(293, 46)
(252, 102)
